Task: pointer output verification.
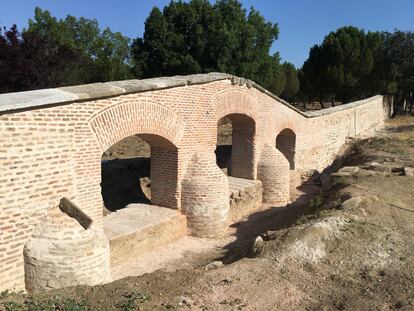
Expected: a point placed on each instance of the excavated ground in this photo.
(350, 248)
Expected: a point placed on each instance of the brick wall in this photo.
(48, 152)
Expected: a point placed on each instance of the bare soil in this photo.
(322, 255)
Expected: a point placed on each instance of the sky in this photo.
(302, 23)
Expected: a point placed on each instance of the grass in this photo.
(52, 304)
(131, 300)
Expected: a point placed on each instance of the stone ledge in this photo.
(318, 113)
(38, 98)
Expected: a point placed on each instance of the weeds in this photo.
(13, 306)
(130, 303)
(52, 304)
(340, 182)
(357, 146)
(4, 294)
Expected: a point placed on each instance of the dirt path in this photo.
(352, 250)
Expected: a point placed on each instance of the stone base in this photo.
(245, 197)
(141, 228)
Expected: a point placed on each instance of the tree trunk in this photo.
(321, 102)
(411, 102)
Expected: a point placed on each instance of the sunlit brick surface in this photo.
(50, 152)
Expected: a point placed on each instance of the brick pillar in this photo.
(205, 197)
(164, 170)
(243, 147)
(62, 253)
(273, 172)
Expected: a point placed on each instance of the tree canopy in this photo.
(196, 37)
(31, 61)
(351, 64)
(108, 51)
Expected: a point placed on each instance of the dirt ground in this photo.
(350, 248)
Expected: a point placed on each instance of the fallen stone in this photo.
(257, 245)
(213, 265)
(375, 166)
(409, 171)
(346, 171)
(271, 235)
(351, 203)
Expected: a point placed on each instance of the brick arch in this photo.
(235, 102)
(159, 126)
(242, 109)
(128, 118)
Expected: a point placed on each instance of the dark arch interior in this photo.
(286, 143)
(224, 144)
(235, 145)
(126, 170)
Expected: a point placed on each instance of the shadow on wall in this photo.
(125, 181)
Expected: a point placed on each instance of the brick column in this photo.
(243, 146)
(205, 197)
(164, 177)
(273, 172)
(62, 253)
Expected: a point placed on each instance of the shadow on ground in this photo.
(278, 218)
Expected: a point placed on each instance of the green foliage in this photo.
(292, 81)
(196, 36)
(31, 60)
(13, 306)
(339, 64)
(316, 203)
(131, 300)
(4, 294)
(109, 51)
(351, 64)
(50, 304)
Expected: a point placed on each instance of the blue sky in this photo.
(302, 23)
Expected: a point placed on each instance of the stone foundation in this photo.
(62, 253)
(245, 197)
(273, 171)
(205, 202)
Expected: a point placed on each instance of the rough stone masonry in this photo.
(52, 140)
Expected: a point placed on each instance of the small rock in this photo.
(398, 169)
(375, 166)
(270, 235)
(351, 203)
(257, 245)
(214, 265)
(347, 171)
(409, 171)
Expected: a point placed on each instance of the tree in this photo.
(109, 51)
(399, 56)
(292, 81)
(340, 64)
(196, 36)
(31, 61)
(279, 79)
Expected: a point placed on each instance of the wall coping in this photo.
(26, 100)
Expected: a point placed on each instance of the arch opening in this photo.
(235, 145)
(141, 168)
(286, 144)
